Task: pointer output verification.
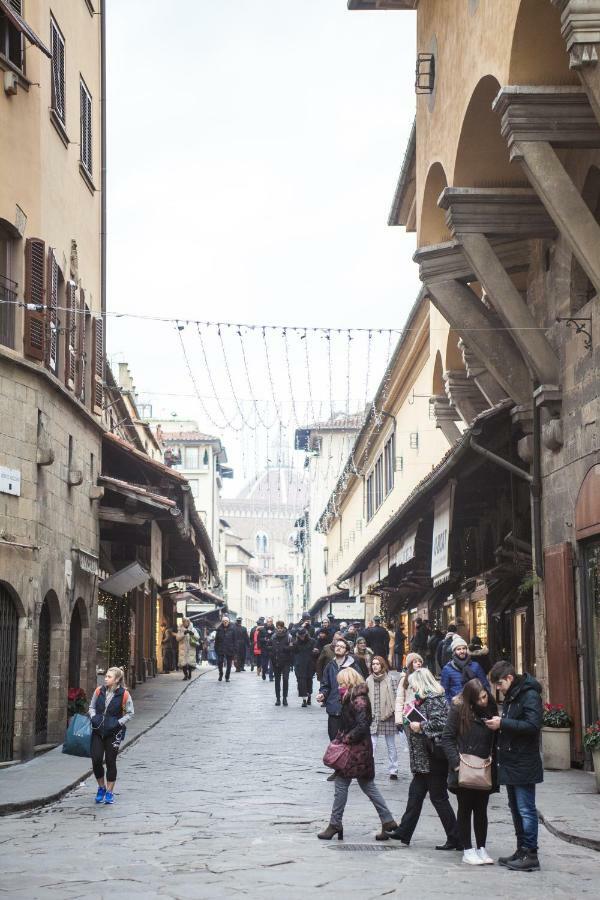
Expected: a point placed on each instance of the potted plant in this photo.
(591, 742)
(556, 736)
(77, 702)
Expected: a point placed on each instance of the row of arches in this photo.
(47, 649)
(537, 56)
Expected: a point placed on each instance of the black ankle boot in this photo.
(526, 861)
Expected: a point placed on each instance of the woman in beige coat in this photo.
(187, 638)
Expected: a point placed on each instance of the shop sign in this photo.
(87, 562)
(442, 523)
(10, 481)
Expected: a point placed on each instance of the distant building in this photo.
(202, 459)
(264, 516)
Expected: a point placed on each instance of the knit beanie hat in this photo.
(458, 642)
(411, 657)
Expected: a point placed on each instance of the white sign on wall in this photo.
(10, 481)
(442, 522)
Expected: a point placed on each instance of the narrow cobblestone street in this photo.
(224, 798)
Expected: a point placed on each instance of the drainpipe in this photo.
(536, 494)
(103, 161)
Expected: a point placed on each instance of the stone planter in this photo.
(596, 758)
(556, 746)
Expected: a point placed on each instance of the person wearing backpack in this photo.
(111, 707)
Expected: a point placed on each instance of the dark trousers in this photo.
(104, 750)
(521, 799)
(333, 725)
(472, 804)
(281, 672)
(266, 667)
(221, 662)
(240, 660)
(420, 786)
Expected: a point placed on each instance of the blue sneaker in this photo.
(101, 794)
(109, 797)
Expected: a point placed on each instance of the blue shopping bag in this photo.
(78, 738)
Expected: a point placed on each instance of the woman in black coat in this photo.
(466, 732)
(305, 659)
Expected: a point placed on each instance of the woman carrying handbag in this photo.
(469, 746)
(350, 754)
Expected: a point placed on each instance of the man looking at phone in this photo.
(519, 761)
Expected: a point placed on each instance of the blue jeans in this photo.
(521, 799)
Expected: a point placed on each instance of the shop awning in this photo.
(21, 25)
(125, 580)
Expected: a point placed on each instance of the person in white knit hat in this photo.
(461, 669)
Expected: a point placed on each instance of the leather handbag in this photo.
(337, 755)
(474, 772)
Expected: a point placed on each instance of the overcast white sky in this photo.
(254, 149)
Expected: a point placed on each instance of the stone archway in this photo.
(432, 225)
(9, 637)
(538, 54)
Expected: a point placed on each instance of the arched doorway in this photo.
(432, 224)
(43, 674)
(9, 627)
(75, 640)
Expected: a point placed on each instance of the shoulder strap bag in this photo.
(474, 772)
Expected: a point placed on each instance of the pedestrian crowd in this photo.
(441, 700)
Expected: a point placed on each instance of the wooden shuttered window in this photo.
(34, 333)
(97, 364)
(80, 357)
(52, 311)
(57, 45)
(71, 328)
(85, 102)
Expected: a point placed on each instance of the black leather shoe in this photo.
(504, 860)
(450, 845)
(526, 861)
(397, 835)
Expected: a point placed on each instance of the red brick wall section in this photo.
(561, 637)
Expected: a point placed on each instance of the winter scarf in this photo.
(387, 700)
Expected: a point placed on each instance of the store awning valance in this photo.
(21, 25)
(442, 523)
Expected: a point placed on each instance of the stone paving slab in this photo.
(224, 797)
(51, 775)
(576, 818)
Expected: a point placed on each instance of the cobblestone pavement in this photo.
(224, 798)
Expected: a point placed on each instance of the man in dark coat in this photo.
(266, 634)
(435, 638)
(399, 647)
(305, 659)
(243, 643)
(331, 626)
(378, 639)
(225, 646)
(255, 643)
(519, 761)
(444, 650)
(418, 643)
(281, 659)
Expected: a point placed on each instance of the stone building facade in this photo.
(51, 363)
(502, 187)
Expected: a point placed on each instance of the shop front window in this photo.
(479, 624)
(592, 597)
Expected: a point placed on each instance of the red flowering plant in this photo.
(556, 716)
(591, 738)
(77, 701)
